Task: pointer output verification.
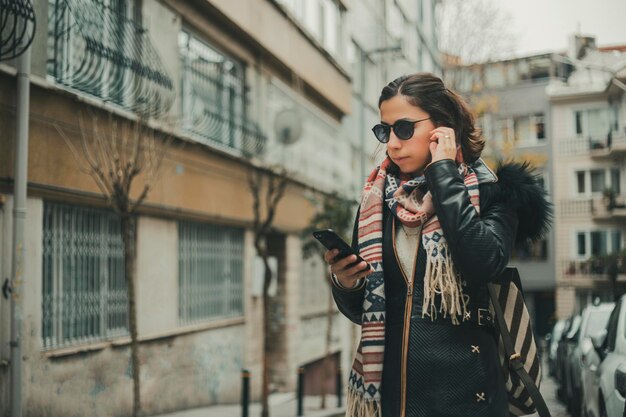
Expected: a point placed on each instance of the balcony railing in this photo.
(17, 27)
(598, 207)
(597, 146)
(597, 267)
(214, 99)
(102, 51)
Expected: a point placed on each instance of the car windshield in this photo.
(597, 321)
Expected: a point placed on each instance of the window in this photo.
(615, 180)
(582, 244)
(84, 287)
(539, 124)
(580, 181)
(210, 268)
(523, 130)
(596, 123)
(616, 240)
(598, 242)
(212, 93)
(99, 47)
(579, 123)
(597, 180)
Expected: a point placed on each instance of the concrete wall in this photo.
(193, 178)
(157, 263)
(180, 369)
(263, 22)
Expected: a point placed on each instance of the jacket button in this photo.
(480, 396)
(475, 349)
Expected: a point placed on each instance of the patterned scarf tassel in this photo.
(358, 406)
(440, 278)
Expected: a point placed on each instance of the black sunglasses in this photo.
(402, 128)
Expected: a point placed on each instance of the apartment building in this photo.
(589, 127)
(215, 75)
(513, 111)
(387, 39)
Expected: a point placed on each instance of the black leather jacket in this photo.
(452, 370)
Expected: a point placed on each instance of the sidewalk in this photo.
(280, 405)
(285, 405)
(548, 390)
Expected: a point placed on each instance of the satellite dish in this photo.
(288, 126)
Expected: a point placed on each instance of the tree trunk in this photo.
(265, 412)
(329, 335)
(128, 233)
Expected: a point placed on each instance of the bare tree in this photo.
(335, 213)
(267, 188)
(115, 154)
(470, 32)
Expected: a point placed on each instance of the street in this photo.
(548, 390)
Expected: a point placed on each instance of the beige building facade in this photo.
(215, 76)
(589, 127)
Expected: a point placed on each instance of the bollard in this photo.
(339, 386)
(245, 392)
(300, 391)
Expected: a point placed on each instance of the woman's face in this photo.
(411, 155)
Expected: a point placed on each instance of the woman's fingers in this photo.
(329, 256)
(443, 144)
(342, 264)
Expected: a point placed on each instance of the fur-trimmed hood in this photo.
(519, 188)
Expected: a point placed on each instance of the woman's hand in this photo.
(347, 276)
(443, 144)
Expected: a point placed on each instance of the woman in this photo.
(435, 225)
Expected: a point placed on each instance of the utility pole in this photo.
(19, 221)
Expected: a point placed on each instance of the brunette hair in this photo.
(445, 108)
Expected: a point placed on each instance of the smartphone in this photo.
(332, 240)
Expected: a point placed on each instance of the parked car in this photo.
(593, 318)
(564, 351)
(555, 336)
(611, 347)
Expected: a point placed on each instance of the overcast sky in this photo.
(545, 25)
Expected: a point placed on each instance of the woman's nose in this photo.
(394, 142)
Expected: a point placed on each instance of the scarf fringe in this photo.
(441, 278)
(358, 406)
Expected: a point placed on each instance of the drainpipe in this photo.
(19, 221)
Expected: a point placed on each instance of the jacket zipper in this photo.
(408, 306)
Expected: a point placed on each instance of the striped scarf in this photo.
(413, 207)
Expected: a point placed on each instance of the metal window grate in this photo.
(100, 48)
(84, 289)
(210, 272)
(213, 98)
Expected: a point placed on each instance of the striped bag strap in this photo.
(515, 362)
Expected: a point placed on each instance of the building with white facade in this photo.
(588, 113)
(387, 39)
